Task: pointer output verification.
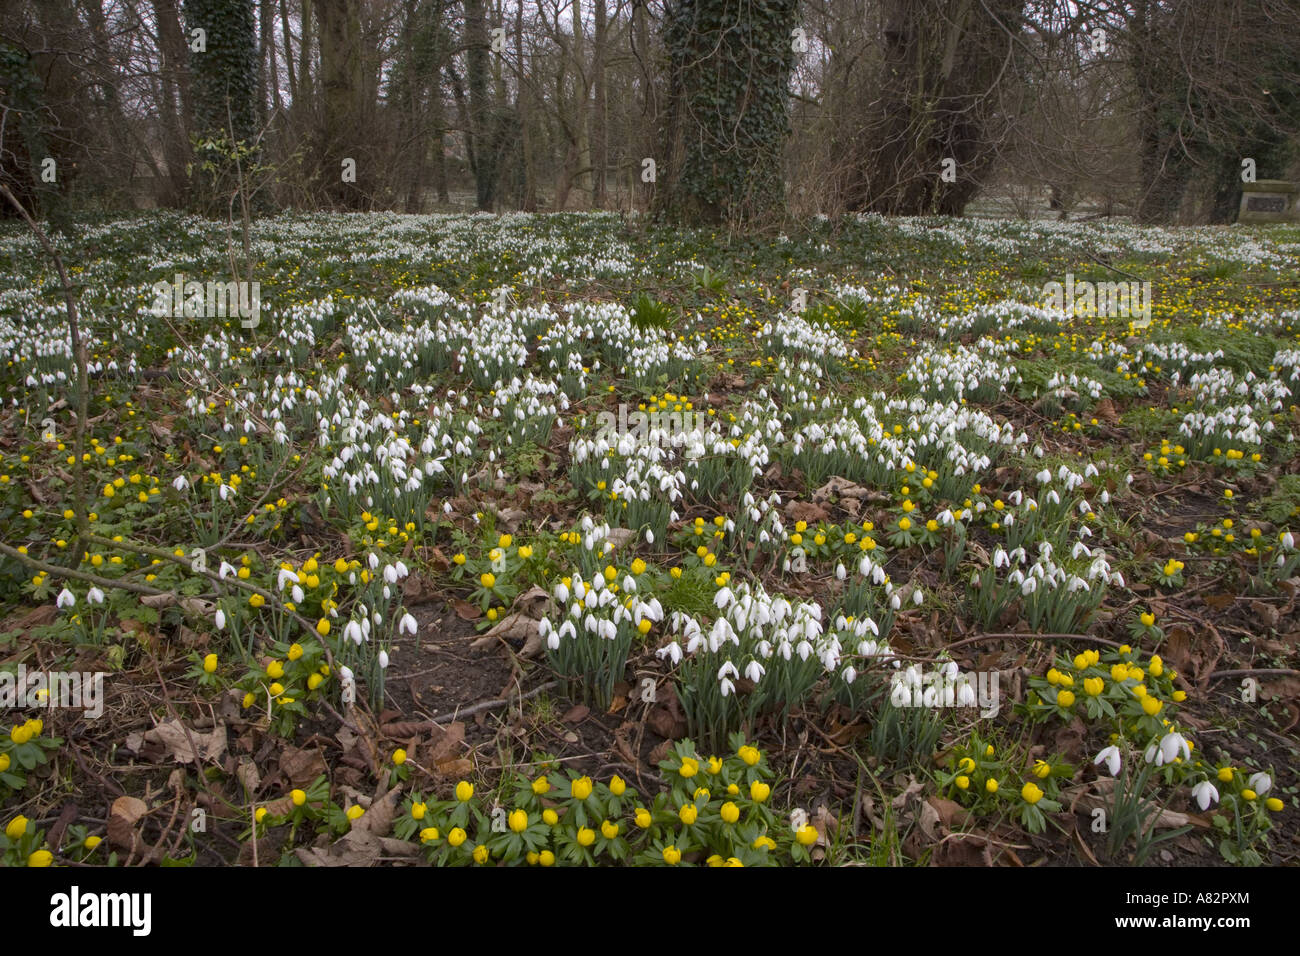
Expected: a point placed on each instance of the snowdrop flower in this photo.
(918, 598)
(754, 671)
(66, 599)
(298, 595)
(225, 570)
(407, 625)
(724, 598)
(221, 619)
(353, 632)
(383, 660)
(1171, 745)
(285, 578)
(1111, 757)
(181, 483)
(373, 560)
(840, 572)
(727, 687)
(390, 574)
(1261, 783)
(1205, 794)
(95, 596)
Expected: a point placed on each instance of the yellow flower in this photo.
(255, 600)
(1093, 686)
(260, 814)
(429, 834)
(806, 835)
(642, 817)
(40, 858)
(580, 789)
(759, 791)
(355, 812)
(764, 843)
(487, 579)
(546, 858)
(714, 861)
(749, 754)
(644, 626)
(457, 836)
(1031, 793)
(1274, 804)
(418, 810)
(730, 812)
(1156, 667)
(1146, 617)
(1151, 705)
(991, 785)
(399, 756)
(275, 670)
(966, 764)
(16, 828)
(1042, 769)
(298, 797)
(541, 786)
(689, 768)
(1248, 795)
(617, 786)
(4, 762)
(464, 791)
(550, 817)
(481, 853)
(1080, 661)
(638, 566)
(609, 830)
(1065, 698)
(314, 681)
(715, 765)
(92, 841)
(248, 699)
(1179, 696)
(687, 813)
(1225, 775)
(672, 855)
(962, 782)
(210, 663)
(519, 821)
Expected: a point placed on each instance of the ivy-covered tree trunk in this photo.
(729, 78)
(224, 93)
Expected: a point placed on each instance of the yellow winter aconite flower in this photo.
(210, 663)
(546, 858)
(481, 853)
(617, 786)
(689, 768)
(1065, 698)
(1151, 705)
(1093, 686)
(672, 855)
(759, 791)
(418, 810)
(1146, 617)
(730, 812)
(966, 764)
(750, 755)
(609, 829)
(580, 789)
(399, 756)
(298, 797)
(541, 786)
(92, 841)
(249, 699)
(1225, 775)
(1248, 794)
(991, 785)
(16, 828)
(1042, 769)
(487, 579)
(687, 813)
(1274, 804)
(429, 834)
(275, 670)
(4, 762)
(550, 817)
(806, 835)
(355, 812)
(40, 858)
(518, 821)
(457, 836)
(962, 782)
